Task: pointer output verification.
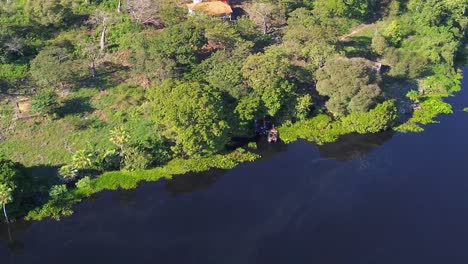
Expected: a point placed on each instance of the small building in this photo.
(213, 8)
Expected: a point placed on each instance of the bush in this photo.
(44, 102)
(377, 119)
(57, 191)
(136, 158)
(85, 182)
(68, 172)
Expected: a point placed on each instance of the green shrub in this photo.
(44, 102)
(68, 172)
(12, 71)
(377, 119)
(57, 191)
(84, 182)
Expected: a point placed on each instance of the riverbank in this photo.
(62, 204)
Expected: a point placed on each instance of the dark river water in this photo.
(383, 198)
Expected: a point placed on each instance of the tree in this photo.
(341, 8)
(103, 19)
(352, 85)
(193, 115)
(5, 198)
(47, 12)
(144, 11)
(309, 39)
(267, 74)
(165, 55)
(266, 15)
(223, 71)
(52, 67)
(14, 183)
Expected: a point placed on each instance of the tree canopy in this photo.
(352, 85)
(193, 115)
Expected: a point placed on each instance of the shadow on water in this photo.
(353, 146)
(191, 182)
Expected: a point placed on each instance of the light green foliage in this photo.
(44, 102)
(323, 129)
(379, 43)
(193, 115)
(393, 33)
(430, 107)
(5, 194)
(377, 119)
(68, 172)
(83, 159)
(303, 105)
(57, 191)
(119, 137)
(351, 84)
(84, 182)
(12, 71)
(130, 179)
(320, 129)
(413, 95)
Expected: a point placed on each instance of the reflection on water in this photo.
(353, 146)
(193, 181)
(357, 200)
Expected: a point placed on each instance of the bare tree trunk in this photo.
(93, 69)
(119, 6)
(6, 216)
(103, 39)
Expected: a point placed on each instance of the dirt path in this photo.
(355, 31)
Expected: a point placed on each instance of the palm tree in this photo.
(5, 197)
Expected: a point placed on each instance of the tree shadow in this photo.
(191, 182)
(77, 105)
(359, 46)
(108, 75)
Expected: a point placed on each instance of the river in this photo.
(382, 198)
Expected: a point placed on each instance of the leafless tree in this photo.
(103, 19)
(144, 11)
(265, 15)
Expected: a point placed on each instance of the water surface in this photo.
(383, 198)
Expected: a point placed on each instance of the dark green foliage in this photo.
(351, 84)
(14, 176)
(51, 67)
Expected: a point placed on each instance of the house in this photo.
(213, 8)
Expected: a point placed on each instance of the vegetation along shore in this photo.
(114, 92)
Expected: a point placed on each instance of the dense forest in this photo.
(120, 86)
